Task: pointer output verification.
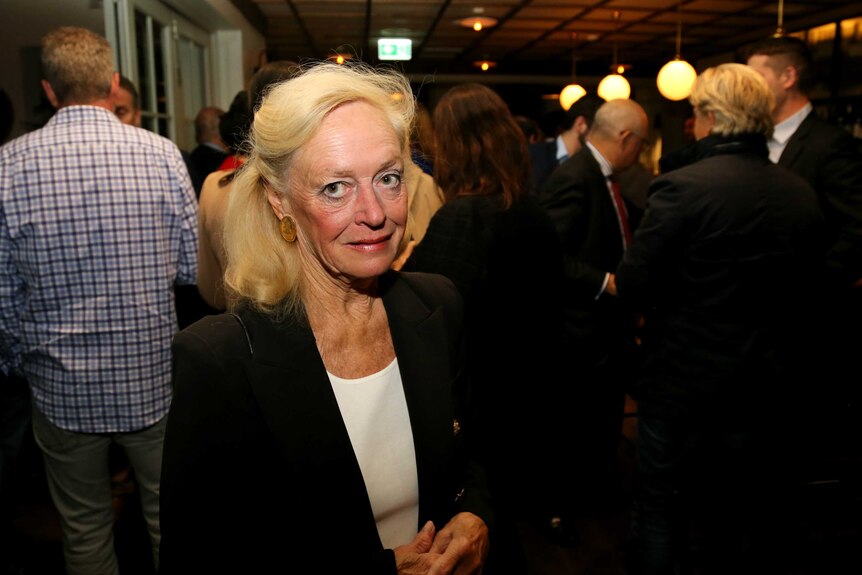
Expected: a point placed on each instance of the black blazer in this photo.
(576, 197)
(828, 158)
(259, 472)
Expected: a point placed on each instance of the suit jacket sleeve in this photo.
(829, 159)
(568, 198)
(841, 188)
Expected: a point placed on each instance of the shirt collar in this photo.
(562, 152)
(783, 130)
(604, 164)
(70, 114)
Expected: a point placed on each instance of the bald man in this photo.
(211, 150)
(595, 224)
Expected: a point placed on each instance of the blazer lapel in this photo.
(292, 389)
(796, 143)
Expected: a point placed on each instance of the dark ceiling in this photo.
(533, 37)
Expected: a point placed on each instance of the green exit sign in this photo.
(394, 48)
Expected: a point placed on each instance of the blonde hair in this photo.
(738, 97)
(262, 268)
(78, 64)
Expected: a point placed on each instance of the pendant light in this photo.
(676, 78)
(573, 91)
(614, 86)
(779, 31)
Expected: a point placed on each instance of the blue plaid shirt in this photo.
(98, 221)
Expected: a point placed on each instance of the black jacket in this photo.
(725, 262)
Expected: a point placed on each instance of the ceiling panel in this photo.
(534, 36)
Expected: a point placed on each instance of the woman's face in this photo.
(347, 194)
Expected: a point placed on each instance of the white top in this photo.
(375, 413)
(783, 130)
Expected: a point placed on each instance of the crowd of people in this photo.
(403, 319)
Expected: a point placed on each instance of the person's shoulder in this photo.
(576, 173)
(821, 126)
(144, 137)
(221, 336)
(212, 185)
(42, 137)
(824, 136)
(433, 290)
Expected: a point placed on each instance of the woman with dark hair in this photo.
(500, 249)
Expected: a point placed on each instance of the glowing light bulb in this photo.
(613, 87)
(676, 79)
(571, 94)
(477, 26)
(485, 66)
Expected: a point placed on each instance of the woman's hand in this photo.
(414, 558)
(462, 546)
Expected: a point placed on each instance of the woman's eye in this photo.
(391, 180)
(335, 189)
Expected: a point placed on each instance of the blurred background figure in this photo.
(86, 304)
(422, 140)
(594, 223)
(211, 150)
(548, 155)
(128, 104)
(724, 266)
(499, 248)
(233, 127)
(530, 127)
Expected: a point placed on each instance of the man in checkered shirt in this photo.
(97, 224)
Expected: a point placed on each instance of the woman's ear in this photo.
(275, 202)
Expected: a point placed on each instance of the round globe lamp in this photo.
(571, 94)
(614, 87)
(676, 79)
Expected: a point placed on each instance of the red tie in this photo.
(622, 213)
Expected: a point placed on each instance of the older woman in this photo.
(722, 264)
(316, 430)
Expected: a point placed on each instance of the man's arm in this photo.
(567, 199)
(187, 265)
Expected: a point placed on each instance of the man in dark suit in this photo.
(594, 224)
(548, 155)
(823, 154)
(211, 150)
(829, 159)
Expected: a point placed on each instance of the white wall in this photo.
(232, 73)
(24, 22)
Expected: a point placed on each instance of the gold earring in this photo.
(288, 229)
